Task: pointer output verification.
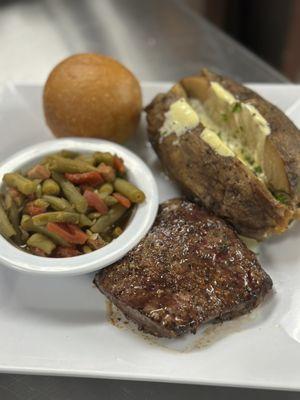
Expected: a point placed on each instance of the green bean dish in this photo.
(68, 204)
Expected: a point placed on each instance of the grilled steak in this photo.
(191, 268)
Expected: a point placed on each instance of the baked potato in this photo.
(232, 150)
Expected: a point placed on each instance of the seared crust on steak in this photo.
(191, 268)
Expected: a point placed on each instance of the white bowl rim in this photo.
(139, 225)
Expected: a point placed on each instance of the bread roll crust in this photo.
(91, 95)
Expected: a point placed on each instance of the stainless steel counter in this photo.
(158, 40)
(14, 387)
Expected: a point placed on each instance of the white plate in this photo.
(59, 326)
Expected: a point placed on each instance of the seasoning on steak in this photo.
(191, 268)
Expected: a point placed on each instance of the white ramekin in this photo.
(139, 224)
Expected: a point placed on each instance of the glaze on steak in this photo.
(191, 268)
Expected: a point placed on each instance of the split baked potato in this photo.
(231, 149)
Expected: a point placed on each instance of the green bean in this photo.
(61, 164)
(14, 217)
(84, 220)
(71, 193)
(25, 221)
(107, 220)
(18, 197)
(102, 195)
(50, 187)
(86, 249)
(17, 181)
(94, 215)
(8, 200)
(24, 235)
(41, 242)
(106, 158)
(42, 203)
(110, 201)
(96, 241)
(117, 231)
(28, 225)
(39, 191)
(107, 237)
(56, 216)
(59, 203)
(67, 154)
(6, 227)
(129, 190)
(87, 158)
(106, 188)
(44, 161)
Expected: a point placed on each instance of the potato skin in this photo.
(222, 184)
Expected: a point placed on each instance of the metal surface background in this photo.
(158, 40)
(52, 388)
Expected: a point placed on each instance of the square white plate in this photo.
(60, 326)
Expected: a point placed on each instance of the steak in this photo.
(190, 269)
